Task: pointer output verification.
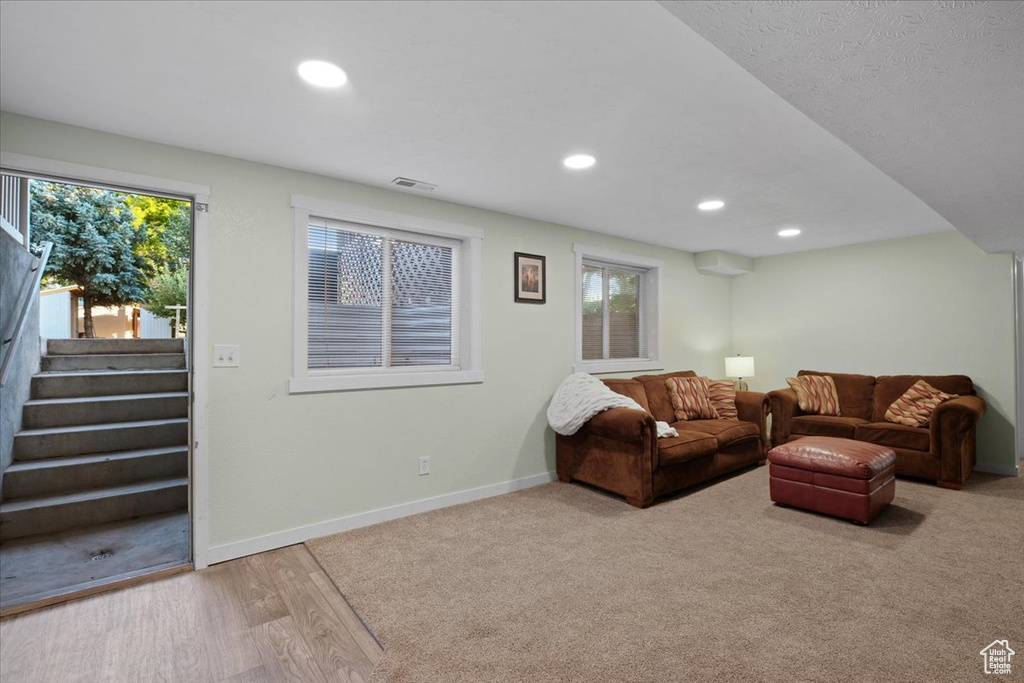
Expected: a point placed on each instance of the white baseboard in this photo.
(280, 539)
(1007, 470)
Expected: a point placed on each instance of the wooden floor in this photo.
(269, 617)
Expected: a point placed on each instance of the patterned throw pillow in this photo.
(691, 398)
(915, 407)
(723, 398)
(816, 394)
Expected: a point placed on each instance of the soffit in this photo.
(932, 93)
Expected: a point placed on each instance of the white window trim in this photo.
(470, 370)
(651, 313)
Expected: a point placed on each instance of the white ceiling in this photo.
(932, 93)
(482, 99)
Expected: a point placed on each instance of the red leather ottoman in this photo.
(839, 477)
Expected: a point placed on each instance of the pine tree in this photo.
(96, 244)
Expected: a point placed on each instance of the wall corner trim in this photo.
(280, 539)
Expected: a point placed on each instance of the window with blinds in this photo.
(380, 298)
(613, 304)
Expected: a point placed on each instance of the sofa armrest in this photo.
(964, 410)
(622, 424)
(616, 450)
(784, 409)
(953, 438)
(753, 406)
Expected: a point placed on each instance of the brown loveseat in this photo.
(943, 451)
(619, 450)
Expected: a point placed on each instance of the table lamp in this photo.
(739, 367)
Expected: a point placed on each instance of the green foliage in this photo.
(95, 241)
(121, 249)
(623, 292)
(167, 288)
(164, 244)
(164, 224)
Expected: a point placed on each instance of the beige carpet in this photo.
(564, 583)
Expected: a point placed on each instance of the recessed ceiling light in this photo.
(578, 161)
(789, 232)
(711, 205)
(322, 74)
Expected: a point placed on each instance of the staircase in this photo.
(104, 437)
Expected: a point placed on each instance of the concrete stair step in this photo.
(98, 470)
(118, 361)
(107, 383)
(55, 442)
(77, 347)
(50, 514)
(81, 410)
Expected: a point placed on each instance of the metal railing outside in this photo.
(10, 344)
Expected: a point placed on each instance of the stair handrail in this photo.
(11, 344)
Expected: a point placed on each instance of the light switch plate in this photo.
(226, 356)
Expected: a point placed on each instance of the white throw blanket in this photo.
(581, 397)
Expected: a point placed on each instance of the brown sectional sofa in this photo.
(619, 450)
(944, 451)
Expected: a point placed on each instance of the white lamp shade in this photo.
(739, 366)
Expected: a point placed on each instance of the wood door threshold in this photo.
(82, 590)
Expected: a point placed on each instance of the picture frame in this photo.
(530, 275)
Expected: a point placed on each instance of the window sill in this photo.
(308, 385)
(595, 367)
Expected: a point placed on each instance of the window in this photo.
(612, 314)
(379, 306)
(379, 301)
(617, 312)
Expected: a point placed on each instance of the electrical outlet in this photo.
(424, 465)
(225, 356)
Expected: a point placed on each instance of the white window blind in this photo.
(381, 298)
(613, 325)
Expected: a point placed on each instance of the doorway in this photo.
(98, 489)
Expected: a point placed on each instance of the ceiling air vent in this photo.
(414, 184)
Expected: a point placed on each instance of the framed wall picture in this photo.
(531, 278)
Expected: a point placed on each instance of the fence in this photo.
(61, 317)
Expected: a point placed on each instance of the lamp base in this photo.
(741, 385)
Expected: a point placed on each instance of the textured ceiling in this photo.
(482, 99)
(932, 93)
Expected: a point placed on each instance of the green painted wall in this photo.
(280, 461)
(930, 305)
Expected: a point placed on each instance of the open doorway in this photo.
(96, 488)
(122, 258)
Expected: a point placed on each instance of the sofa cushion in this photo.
(727, 432)
(894, 435)
(816, 394)
(659, 404)
(915, 407)
(723, 398)
(825, 425)
(855, 392)
(891, 387)
(691, 399)
(629, 388)
(687, 446)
